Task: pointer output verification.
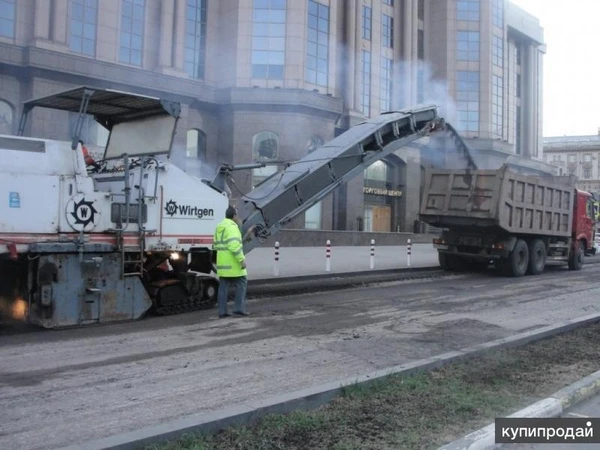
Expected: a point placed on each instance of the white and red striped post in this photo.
(328, 256)
(276, 265)
(372, 253)
(408, 251)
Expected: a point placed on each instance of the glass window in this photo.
(317, 68)
(6, 118)
(386, 83)
(195, 38)
(498, 51)
(467, 96)
(518, 132)
(312, 217)
(420, 82)
(378, 171)
(196, 144)
(498, 13)
(467, 45)
(387, 31)
(366, 24)
(368, 219)
(366, 83)
(132, 31)
(497, 105)
(261, 174)
(467, 10)
(84, 14)
(314, 143)
(92, 133)
(265, 146)
(587, 173)
(388, 2)
(421, 10)
(268, 39)
(8, 15)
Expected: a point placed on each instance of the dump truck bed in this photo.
(500, 198)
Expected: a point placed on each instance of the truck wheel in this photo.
(444, 261)
(451, 263)
(518, 261)
(576, 257)
(537, 257)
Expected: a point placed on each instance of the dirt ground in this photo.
(423, 411)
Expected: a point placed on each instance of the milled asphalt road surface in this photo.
(70, 386)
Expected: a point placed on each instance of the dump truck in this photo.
(515, 221)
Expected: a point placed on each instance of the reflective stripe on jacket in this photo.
(227, 241)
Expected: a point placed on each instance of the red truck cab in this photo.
(584, 221)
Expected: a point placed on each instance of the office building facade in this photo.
(578, 156)
(271, 80)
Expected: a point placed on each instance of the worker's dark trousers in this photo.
(240, 284)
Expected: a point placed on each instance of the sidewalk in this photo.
(580, 400)
(302, 261)
(589, 408)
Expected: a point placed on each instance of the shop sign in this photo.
(386, 192)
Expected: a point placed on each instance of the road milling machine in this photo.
(89, 243)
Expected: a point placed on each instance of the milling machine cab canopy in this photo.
(138, 125)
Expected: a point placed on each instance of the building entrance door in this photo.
(382, 216)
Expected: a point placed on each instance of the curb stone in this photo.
(309, 398)
(553, 406)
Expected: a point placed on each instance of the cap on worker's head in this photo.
(231, 211)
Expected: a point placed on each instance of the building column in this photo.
(42, 19)
(528, 112)
(179, 34)
(414, 62)
(351, 52)
(412, 190)
(407, 53)
(165, 51)
(358, 58)
(60, 21)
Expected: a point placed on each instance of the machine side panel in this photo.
(186, 212)
(29, 203)
(73, 292)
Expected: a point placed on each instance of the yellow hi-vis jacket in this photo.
(227, 241)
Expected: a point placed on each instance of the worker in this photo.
(89, 160)
(231, 263)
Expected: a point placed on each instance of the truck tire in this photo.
(537, 257)
(444, 260)
(451, 263)
(576, 257)
(518, 261)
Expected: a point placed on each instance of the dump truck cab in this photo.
(584, 220)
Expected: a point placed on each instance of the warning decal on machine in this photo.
(14, 200)
(82, 213)
(182, 211)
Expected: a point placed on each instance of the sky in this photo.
(571, 91)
